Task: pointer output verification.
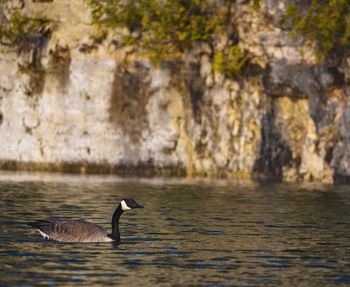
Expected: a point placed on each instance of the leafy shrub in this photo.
(166, 29)
(256, 4)
(23, 31)
(326, 23)
(170, 24)
(230, 61)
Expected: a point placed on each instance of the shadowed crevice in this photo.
(274, 152)
(129, 98)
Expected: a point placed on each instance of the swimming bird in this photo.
(67, 230)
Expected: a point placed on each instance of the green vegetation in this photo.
(164, 25)
(25, 33)
(166, 29)
(326, 23)
(256, 4)
(230, 61)
(22, 31)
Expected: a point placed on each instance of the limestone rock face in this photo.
(96, 105)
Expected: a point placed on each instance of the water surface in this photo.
(189, 233)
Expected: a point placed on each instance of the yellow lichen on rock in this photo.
(298, 130)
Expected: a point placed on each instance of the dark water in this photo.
(190, 233)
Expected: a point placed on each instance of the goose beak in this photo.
(136, 205)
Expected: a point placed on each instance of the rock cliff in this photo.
(98, 106)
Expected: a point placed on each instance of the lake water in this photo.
(209, 233)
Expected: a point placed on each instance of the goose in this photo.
(67, 230)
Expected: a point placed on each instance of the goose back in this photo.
(66, 230)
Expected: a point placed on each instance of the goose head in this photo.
(129, 203)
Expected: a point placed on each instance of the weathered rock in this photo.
(99, 106)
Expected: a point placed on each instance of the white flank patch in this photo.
(125, 206)
(44, 234)
(107, 239)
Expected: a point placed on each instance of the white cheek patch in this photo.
(125, 206)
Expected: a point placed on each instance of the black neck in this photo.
(115, 223)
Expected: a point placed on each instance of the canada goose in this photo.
(66, 230)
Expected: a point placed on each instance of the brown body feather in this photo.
(66, 230)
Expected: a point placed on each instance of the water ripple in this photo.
(199, 234)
